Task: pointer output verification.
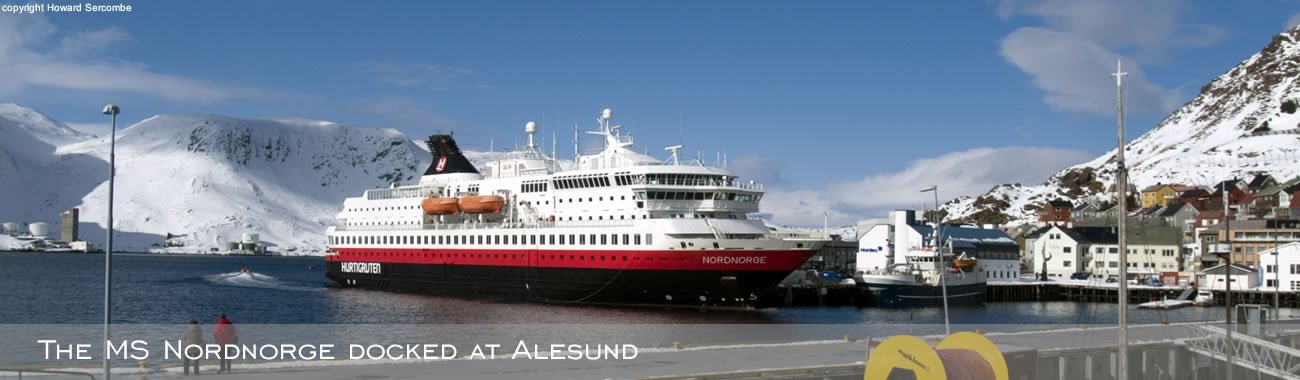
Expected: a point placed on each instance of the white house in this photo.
(1288, 261)
(997, 254)
(1095, 250)
(1242, 278)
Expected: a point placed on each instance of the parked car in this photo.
(1080, 276)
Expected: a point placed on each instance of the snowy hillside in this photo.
(210, 177)
(1243, 122)
(39, 126)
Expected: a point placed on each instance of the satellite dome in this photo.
(531, 127)
(607, 114)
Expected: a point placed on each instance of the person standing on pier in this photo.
(224, 334)
(193, 343)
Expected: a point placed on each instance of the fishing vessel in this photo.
(617, 227)
(902, 264)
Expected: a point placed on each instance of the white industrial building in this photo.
(997, 254)
(1288, 261)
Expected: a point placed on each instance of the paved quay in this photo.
(837, 359)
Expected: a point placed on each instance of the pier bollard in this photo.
(677, 345)
(144, 363)
(846, 338)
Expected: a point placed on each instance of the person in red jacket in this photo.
(223, 334)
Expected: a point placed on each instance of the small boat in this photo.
(1203, 298)
(481, 204)
(440, 206)
(1165, 304)
(964, 263)
(245, 270)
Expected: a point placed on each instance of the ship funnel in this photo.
(447, 157)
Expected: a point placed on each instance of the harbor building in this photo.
(997, 254)
(1284, 267)
(1249, 238)
(68, 225)
(1063, 251)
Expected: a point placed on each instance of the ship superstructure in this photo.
(619, 227)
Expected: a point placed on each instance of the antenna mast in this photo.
(1121, 183)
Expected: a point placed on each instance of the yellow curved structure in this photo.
(960, 356)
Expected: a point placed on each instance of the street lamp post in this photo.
(112, 111)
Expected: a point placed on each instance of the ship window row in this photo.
(391, 208)
(533, 187)
(699, 196)
(581, 182)
(590, 199)
(689, 179)
(546, 239)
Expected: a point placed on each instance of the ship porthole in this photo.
(702, 299)
(668, 297)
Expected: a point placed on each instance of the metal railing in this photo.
(1261, 355)
(20, 372)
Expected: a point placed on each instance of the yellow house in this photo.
(1158, 195)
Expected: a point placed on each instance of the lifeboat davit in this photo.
(481, 204)
(440, 206)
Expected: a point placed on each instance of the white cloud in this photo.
(965, 173)
(404, 111)
(1074, 71)
(1080, 41)
(414, 74)
(1152, 24)
(91, 42)
(1293, 22)
(27, 62)
(762, 170)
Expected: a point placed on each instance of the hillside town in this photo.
(1178, 234)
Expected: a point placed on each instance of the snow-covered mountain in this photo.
(209, 177)
(1243, 122)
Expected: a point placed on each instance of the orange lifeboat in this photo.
(965, 264)
(481, 204)
(440, 206)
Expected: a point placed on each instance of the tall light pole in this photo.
(112, 111)
(939, 262)
(1121, 184)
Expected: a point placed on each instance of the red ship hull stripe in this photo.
(727, 260)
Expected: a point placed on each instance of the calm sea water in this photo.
(163, 289)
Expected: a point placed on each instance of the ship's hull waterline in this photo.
(618, 277)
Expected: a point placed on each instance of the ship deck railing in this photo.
(482, 226)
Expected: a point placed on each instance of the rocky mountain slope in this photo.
(1242, 123)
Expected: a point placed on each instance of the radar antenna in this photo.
(674, 149)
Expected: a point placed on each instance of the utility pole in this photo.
(1121, 184)
(1227, 283)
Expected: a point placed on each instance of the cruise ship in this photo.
(616, 227)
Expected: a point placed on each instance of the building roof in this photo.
(1136, 235)
(1182, 188)
(1153, 188)
(1061, 203)
(1257, 224)
(1261, 180)
(1173, 209)
(965, 237)
(1220, 270)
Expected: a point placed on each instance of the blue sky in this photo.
(829, 103)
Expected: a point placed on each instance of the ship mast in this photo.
(1121, 184)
